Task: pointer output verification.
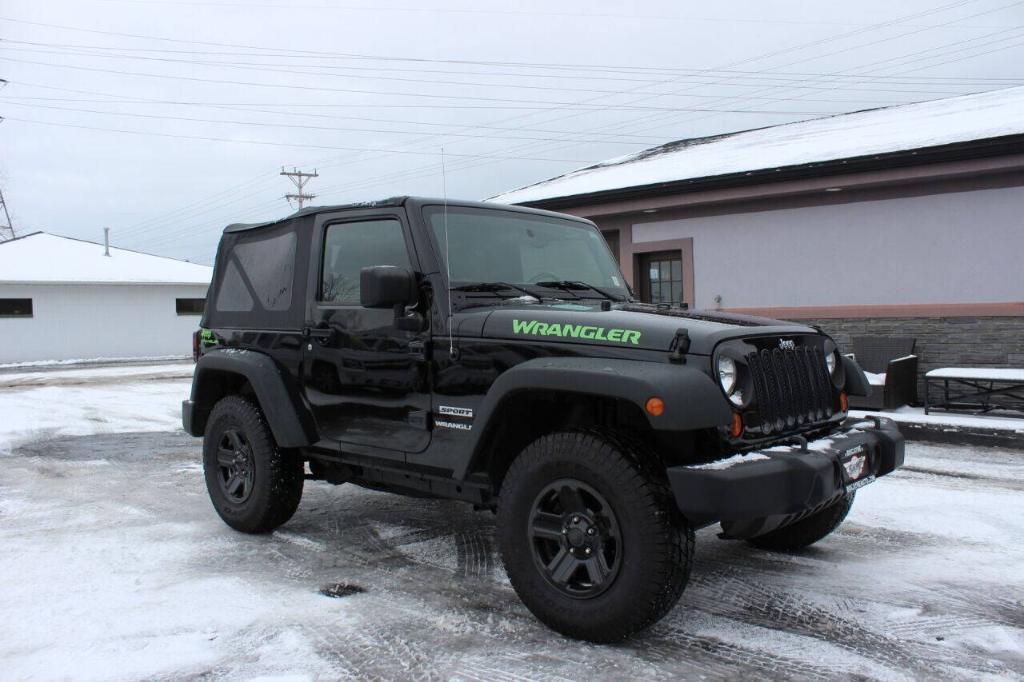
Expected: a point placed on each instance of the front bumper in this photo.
(755, 493)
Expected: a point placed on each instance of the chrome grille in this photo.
(791, 387)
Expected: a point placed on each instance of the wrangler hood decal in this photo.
(576, 331)
(640, 327)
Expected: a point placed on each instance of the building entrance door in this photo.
(661, 277)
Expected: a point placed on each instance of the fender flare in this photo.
(692, 399)
(277, 401)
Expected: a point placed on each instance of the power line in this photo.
(573, 72)
(506, 12)
(291, 86)
(280, 144)
(301, 126)
(351, 55)
(235, 107)
(305, 69)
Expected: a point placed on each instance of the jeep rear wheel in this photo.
(254, 486)
(590, 535)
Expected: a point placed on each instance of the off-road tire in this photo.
(277, 476)
(656, 541)
(806, 532)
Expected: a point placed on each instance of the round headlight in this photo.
(832, 361)
(727, 373)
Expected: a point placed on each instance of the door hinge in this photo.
(418, 349)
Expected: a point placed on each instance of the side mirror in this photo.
(386, 286)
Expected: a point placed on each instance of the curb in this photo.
(961, 435)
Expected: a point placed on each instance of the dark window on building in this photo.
(661, 277)
(15, 307)
(189, 306)
(350, 247)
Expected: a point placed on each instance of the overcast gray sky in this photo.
(166, 120)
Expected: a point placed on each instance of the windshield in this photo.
(545, 255)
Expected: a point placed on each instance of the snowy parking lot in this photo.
(115, 566)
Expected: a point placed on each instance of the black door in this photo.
(365, 380)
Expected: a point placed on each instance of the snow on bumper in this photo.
(757, 492)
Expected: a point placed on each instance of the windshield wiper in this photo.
(493, 287)
(573, 286)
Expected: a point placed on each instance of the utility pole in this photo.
(299, 178)
(7, 228)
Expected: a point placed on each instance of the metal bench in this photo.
(977, 389)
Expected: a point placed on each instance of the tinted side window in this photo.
(270, 266)
(262, 269)
(234, 295)
(349, 247)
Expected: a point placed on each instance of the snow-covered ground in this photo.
(113, 565)
(36, 405)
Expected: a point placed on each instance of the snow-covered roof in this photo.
(864, 133)
(41, 257)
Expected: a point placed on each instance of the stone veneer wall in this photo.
(942, 341)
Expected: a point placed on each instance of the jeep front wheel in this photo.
(254, 486)
(590, 535)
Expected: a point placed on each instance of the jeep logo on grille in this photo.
(787, 344)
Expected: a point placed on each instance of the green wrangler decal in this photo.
(575, 331)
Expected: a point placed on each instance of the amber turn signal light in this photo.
(655, 407)
(844, 404)
(736, 430)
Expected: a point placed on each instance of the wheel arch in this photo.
(536, 396)
(224, 372)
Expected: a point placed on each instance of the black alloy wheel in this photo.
(237, 466)
(254, 485)
(590, 534)
(576, 540)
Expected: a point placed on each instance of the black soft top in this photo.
(393, 201)
(313, 210)
(261, 272)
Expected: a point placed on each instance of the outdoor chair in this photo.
(891, 368)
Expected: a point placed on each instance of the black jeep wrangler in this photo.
(496, 355)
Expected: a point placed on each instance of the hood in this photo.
(629, 325)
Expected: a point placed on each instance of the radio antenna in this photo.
(447, 261)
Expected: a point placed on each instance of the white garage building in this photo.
(65, 299)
